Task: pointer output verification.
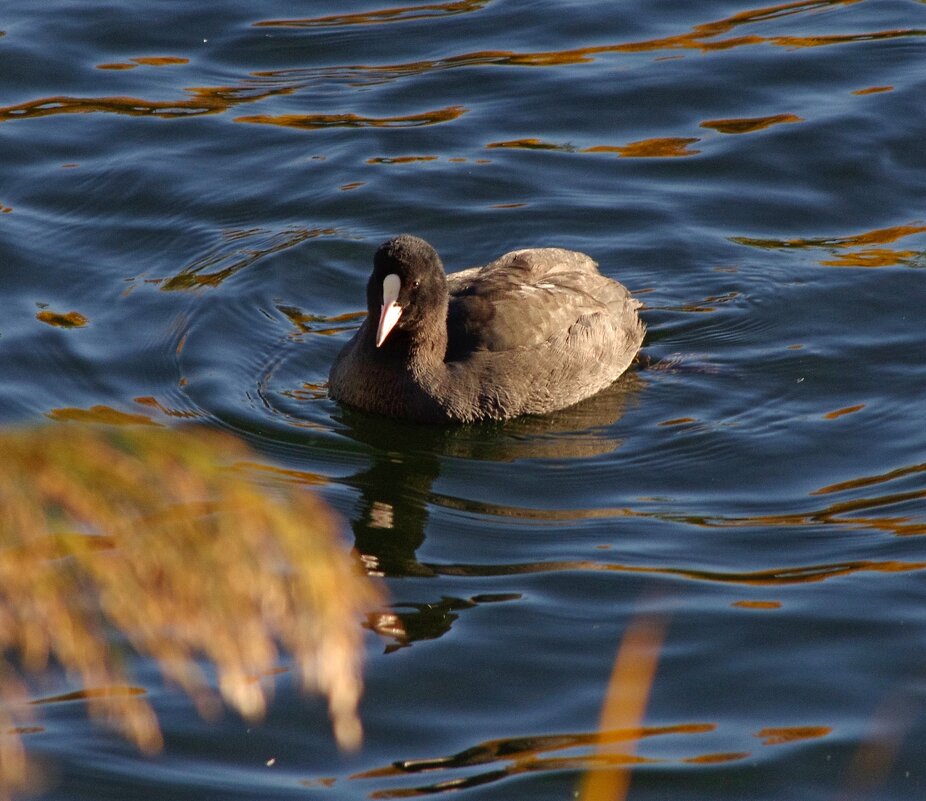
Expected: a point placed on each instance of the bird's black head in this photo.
(407, 290)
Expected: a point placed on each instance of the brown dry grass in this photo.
(151, 533)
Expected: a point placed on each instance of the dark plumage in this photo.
(534, 331)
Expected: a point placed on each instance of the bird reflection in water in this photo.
(391, 518)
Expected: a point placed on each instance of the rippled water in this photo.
(190, 197)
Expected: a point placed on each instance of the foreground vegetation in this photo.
(128, 540)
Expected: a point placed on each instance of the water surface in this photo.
(191, 195)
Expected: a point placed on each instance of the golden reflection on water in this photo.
(99, 414)
(837, 413)
(312, 122)
(532, 143)
(214, 100)
(871, 90)
(307, 323)
(717, 759)
(763, 605)
(505, 758)
(204, 100)
(517, 755)
(400, 159)
(704, 37)
(878, 236)
(144, 61)
(397, 14)
(160, 61)
(874, 257)
(841, 514)
(154, 403)
(678, 421)
(309, 391)
(749, 124)
(248, 247)
(302, 478)
(705, 306)
(88, 694)
(605, 757)
(791, 734)
(660, 147)
(868, 481)
(865, 256)
(70, 319)
(801, 574)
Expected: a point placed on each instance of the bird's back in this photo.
(528, 297)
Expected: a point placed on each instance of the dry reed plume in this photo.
(152, 534)
(624, 709)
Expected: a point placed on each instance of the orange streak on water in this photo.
(211, 269)
(100, 414)
(401, 159)
(715, 759)
(757, 604)
(88, 693)
(154, 403)
(703, 37)
(749, 124)
(285, 475)
(878, 236)
(203, 100)
(841, 412)
(791, 734)
(160, 61)
(661, 147)
(625, 706)
(530, 143)
(146, 61)
(316, 121)
(872, 257)
(398, 14)
(868, 481)
(795, 42)
(71, 319)
(871, 90)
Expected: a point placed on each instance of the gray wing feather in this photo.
(526, 298)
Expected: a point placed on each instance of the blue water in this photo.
(205, 184)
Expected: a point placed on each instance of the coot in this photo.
(534, 331)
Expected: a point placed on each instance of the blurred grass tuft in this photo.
(120, 539)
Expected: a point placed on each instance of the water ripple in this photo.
(312, 122)
(861, 253)
(381, 16)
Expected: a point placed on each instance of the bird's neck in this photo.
(428, 344)
(422, 349)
